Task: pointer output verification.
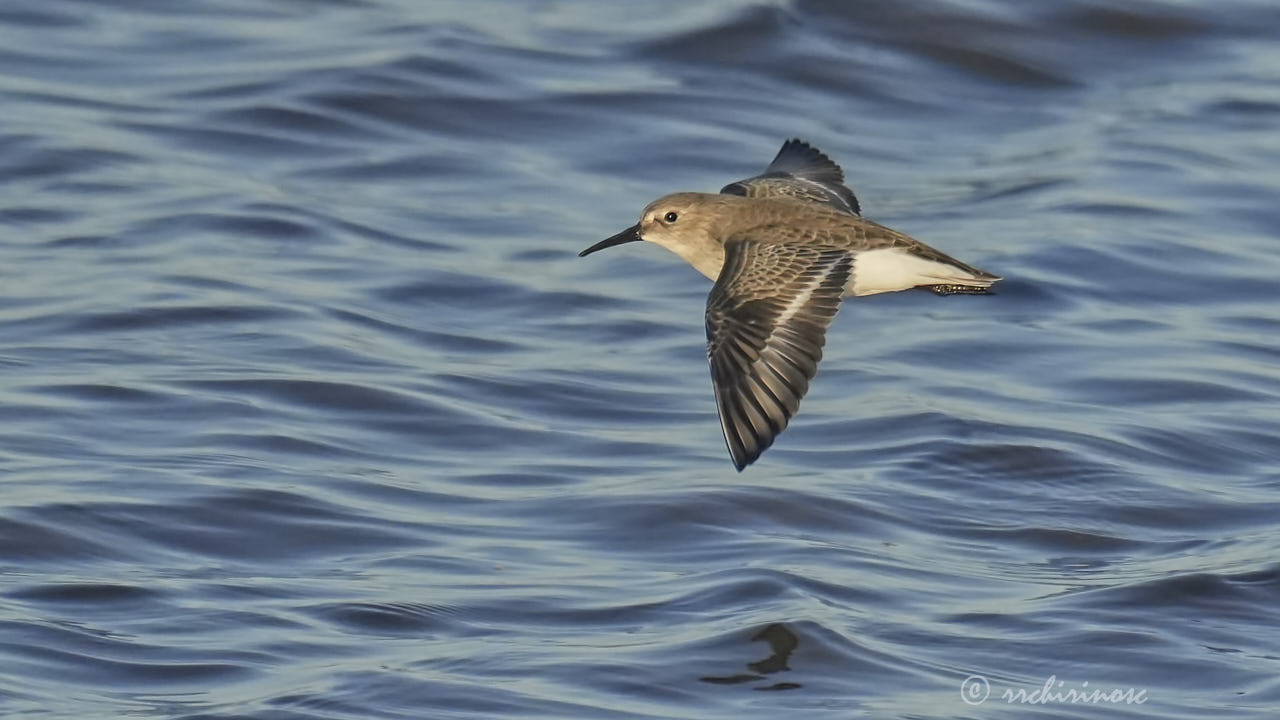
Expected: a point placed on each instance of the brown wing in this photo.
(767, 319)
(801, 172)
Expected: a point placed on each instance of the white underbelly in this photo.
(893, 269)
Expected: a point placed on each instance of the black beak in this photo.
(631, 234)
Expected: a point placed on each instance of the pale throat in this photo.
(705, 257)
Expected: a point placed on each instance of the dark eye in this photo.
(671, 217)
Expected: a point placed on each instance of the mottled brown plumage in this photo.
(767, 318)
(801, 172)
(784, 249)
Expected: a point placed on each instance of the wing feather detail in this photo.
(801, 172)
(767, 318)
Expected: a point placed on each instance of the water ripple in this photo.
(311, 411)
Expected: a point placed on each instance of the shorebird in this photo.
(784, 248)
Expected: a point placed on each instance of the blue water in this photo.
(308, 409)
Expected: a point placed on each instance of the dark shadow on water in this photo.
(782, 642)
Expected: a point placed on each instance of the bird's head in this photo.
(683, 223)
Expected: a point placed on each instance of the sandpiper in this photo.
(784, 248)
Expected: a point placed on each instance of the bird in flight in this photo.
(784, 248)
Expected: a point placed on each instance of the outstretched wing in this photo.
(767, 319)
(802, 172)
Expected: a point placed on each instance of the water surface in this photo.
(310, 411)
